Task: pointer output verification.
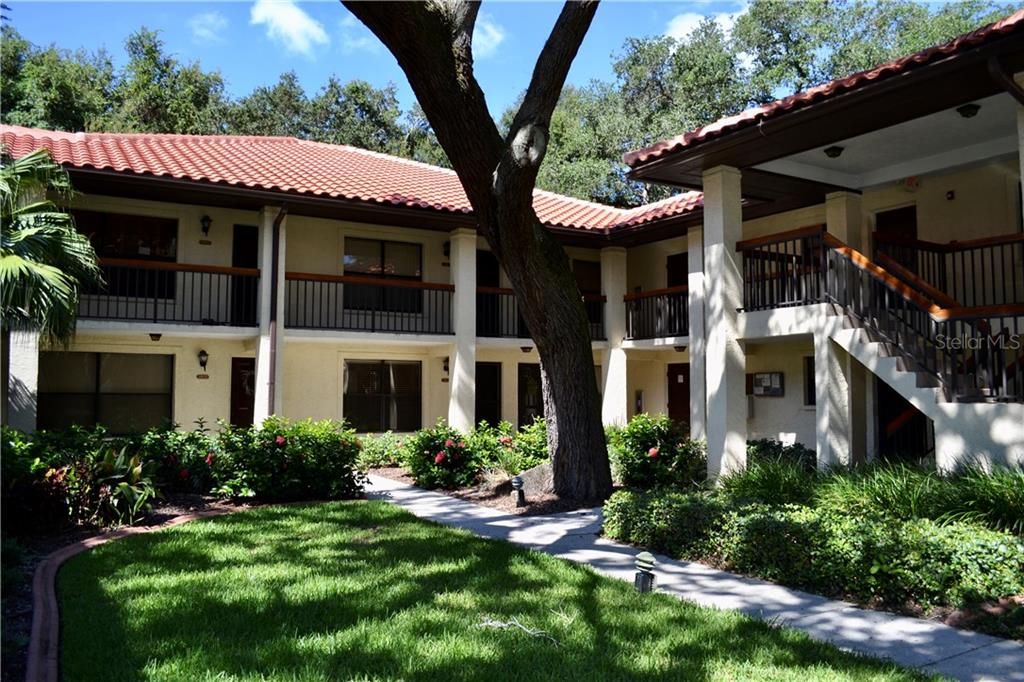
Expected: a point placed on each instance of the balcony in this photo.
(358, 303)
(658, 314)
(153, 291)
(497, 315)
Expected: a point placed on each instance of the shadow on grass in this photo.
(363, 590)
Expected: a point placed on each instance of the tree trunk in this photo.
(432, 42)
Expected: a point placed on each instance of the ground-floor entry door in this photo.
(243, 390)
(679, 392)
(488, 392)
(531, 396)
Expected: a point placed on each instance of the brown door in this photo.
(244, 254)
(488, 392)
(531, 396)
(679, 392)
(901, 223)
(243, 390)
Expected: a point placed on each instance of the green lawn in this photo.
(363, 590)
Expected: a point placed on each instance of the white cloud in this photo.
(357, 38)
(682, 25)
(208, 27)
(289, 25)
(487, 36)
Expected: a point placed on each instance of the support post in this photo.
(695, 303)
(725, 360)
(269, 357)
(22, 377)
(833, 415)
(462, 358)
(615, 391)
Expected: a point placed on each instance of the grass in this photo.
(363, 590)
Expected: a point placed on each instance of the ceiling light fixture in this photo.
(834, 151)
(969, 110)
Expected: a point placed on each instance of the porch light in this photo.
(644, 580)
(445, 365)
(204, 224)
(969, 110)
(834, 152)
(526, 349)
(155, 337)
(517, 491)
(679, 349)
(204, 357)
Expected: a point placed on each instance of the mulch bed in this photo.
(16, 610)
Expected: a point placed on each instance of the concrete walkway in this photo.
(575, 536)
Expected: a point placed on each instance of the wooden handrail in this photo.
(668, 291)
(371, 281)
(594, 298)
(951, 247)
(502, 291)
(969, 312)
(800, 232)
(176, 267)
(940, 297)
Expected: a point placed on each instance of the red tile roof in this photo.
(312, 168)
(750, 117)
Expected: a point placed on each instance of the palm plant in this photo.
(44, 260)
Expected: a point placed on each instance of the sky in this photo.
(251, 42)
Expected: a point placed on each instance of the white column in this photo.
(725, 362)
(23, 380)
(1020, 137)
(462, 358)
(844, 219)
(833, 416)
(695, 302)
(263, 350)
(615, 392)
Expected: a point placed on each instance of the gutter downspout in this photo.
(1005, 80)
(275, 267)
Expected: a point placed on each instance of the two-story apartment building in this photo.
(844, 268)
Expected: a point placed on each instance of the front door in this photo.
(679, 392)
(900, 223)
(531, 396)
(488, 392)
(243, 390)
(244, 254)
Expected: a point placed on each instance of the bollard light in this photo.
(644, 580)
(517, 491)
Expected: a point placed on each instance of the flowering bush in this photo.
(439, 457)
(380, 450)
(652, 451)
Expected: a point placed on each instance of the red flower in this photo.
(448, 443)
(209, 459)
(280, 440)
(439, 458)
(183, 474)
(652, 453)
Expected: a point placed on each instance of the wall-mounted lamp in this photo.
(526, 349)
(834, 152)
(204, 224)
(679, 349)
(204, 358)
(444, 365)
(447, 250)
(155, 337)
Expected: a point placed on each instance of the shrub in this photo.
(680, 524)
(775, 543)
(175, 452)
(652, 451)
(766, 480)
(288, 461)
(502, 447)
(530, 446)
(439, 457)
(770, 450)
(994, 499)
(380, 450)
(898, 490)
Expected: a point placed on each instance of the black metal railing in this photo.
(658, 314)
(783, 270)
(173, 292)
(497, 314)
(979, 272)
(357, 303)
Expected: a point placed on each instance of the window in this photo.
(382, 395)
(124, 392)
(383, 260)
(810, 393)
(134, 237)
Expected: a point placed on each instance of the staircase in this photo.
(961, 366)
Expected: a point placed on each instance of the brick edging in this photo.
(43, 663)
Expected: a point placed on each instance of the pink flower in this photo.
(280, 440)
(183, 474)
(462, 445)
(439, 458)
(209, 459)
(652, 453)
(448, 443)
(505, 440)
